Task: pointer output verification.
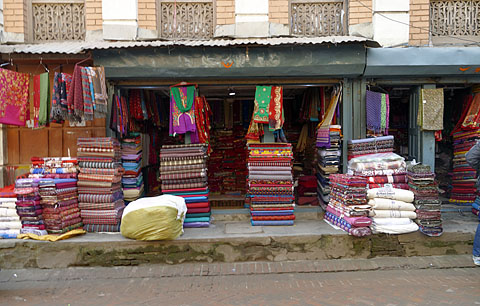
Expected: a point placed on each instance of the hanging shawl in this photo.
(431, 109)
(14, 97)
(182, 110)
(275, 114)
(36, 100)
(100, 91)
(373, 102)
(262, 101)
(203, 113)
(255, 131)
(87, 94)
(472, 116)
(59, 111)
(44, 99)
(75, 97)
(323, 132)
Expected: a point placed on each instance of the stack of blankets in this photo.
(359, 147)
(183, 172)
(28, 206)
(328, 162)
(464, 176)
(348, 208)
(10, 223)
(132, 180)
(422, 183)
(393, 211)
(54, 167)
(270, 183)
(100, 194)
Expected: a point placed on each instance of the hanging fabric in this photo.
(255, 131)
(100, 91)
(44, 99)
(13, 97)
(182, 110)
(262, 101)
(75, 97)
(36, 100)
(431, 109)
(202, 114)
(275, 113)
(86, 94)
(59, 111)
(471, 120)
(323, 131)
(373, 102)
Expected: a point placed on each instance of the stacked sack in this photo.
(100, 193)
(348, 208)
(28, 206)
(421, 181)
(270, 183)
(183, 171)
(373, 158)
(328, 162)
(132, 180)
(10, 223)
(464, 176)
(393, 211)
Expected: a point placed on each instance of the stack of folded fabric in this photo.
(328, 162)
(380, 169)
(54, 167)
(183, 172)
(270, 183)
(393, 211)
(10, 223)
(464, 176)
(348, 208)
(100, 193)
(132, 180)
(421, 181)
(28, 206)
(59, 201)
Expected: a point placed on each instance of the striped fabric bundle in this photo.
(132, 181)
(99, 183)
(183, 172)
(28, 206)
(270, 184)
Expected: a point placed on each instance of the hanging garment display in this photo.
(263, 95)
(275, 113)
(377, 111)
(44, 99)
(182, 110)
(14, 97)
(61, 85)
(202, 114)
(430, 109)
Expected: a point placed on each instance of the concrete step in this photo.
(238, 241)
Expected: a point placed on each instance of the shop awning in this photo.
(423, 62)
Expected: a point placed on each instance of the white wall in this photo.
(251, 18)
(391, 22)
(120, 21)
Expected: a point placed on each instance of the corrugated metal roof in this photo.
(76, 47)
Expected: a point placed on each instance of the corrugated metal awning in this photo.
(77, 47)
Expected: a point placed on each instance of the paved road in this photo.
(149, 286)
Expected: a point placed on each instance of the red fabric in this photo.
(198, 210)
(271, 218)
(198, 205)
(14, 90)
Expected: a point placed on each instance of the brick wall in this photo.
(278, 11)
(15, 16)
(147, 14)
(419, 17)
(225, 12)
(359, 13)
(93, 15)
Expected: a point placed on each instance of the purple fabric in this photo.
(374, 110)
(196, 224)
(185, 123)
(388, 114)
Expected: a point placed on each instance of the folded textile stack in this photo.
(132, 180)
(183, 171)
(393, 211)
(100, 194)
(347, 207)
(270, 183)
(28, 206)
(421, 181)
(328, 161)
(380, 169)
(10, 223)
(464, 176)
(54, 167)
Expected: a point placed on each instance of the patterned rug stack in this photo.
(270, 183)
(132, 180)
(328, 162)
(422, 183)
(464, 176)
(348, 208)
(183, 171)
(59, 196)
(28, 206)
(100, 194)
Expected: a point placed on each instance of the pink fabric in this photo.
(354, 221)
(13, 97)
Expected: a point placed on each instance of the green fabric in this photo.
(200, 219)
(44, 95)
(383, 117)
(178, 100)
(197, 215)
(263, 94)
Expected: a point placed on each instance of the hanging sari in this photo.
(14, 97)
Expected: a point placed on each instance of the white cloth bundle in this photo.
(394, 228)
(392, 221)
(392, 214)
(387, 204)
(10, 225)
(391, 193)
(8, 212)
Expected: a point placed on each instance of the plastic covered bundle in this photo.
(377, 161)
(154, 218)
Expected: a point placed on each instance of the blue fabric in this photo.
(268, 223)
(476, 242)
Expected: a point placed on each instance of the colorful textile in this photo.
(430, 113)
(261, 104)
(14, 88)
(374, 110)
(182, 110)
(100, 91)
(275, 113)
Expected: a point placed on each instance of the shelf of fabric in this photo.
(270, 184)
(132, 180)
(100, 194)
(183, 173)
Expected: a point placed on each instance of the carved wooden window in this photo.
(188, 19)
(58, 20)
(455, 18)
(317, 17)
